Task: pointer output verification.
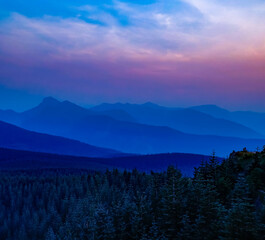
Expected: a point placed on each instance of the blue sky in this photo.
(172, 52)
(61, 8)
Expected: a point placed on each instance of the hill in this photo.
(17, 138)
(185, 120)
(253, 120)
(11, 159)
(71, 121)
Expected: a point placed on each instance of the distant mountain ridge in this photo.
(253, 120)
(51, 104)
(14, 137)
(92, 127)
(185, 120)
(26, 160)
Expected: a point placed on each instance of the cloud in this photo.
(180, 48)
(192, 29)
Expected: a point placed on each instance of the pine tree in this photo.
(187, 230)
(104, 224)
(241, 219)
(50, 235)
(22, 235)
(173, 202)
(212, 168)
(155, 232)
(210, 212)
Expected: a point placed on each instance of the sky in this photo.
(170, 52)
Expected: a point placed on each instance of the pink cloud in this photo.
(216, 63)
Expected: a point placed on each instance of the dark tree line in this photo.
(222, 201)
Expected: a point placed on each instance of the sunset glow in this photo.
(170, 52)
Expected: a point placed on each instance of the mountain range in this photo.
(187, 120)
(14, 137)
(11, 159)
(253, 120)
(139, 129)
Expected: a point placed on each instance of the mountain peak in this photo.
(49, 100)
(151, 105)
(210, 109)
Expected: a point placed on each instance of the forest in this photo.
(223, 200)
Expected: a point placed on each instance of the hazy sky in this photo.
(171, 52)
